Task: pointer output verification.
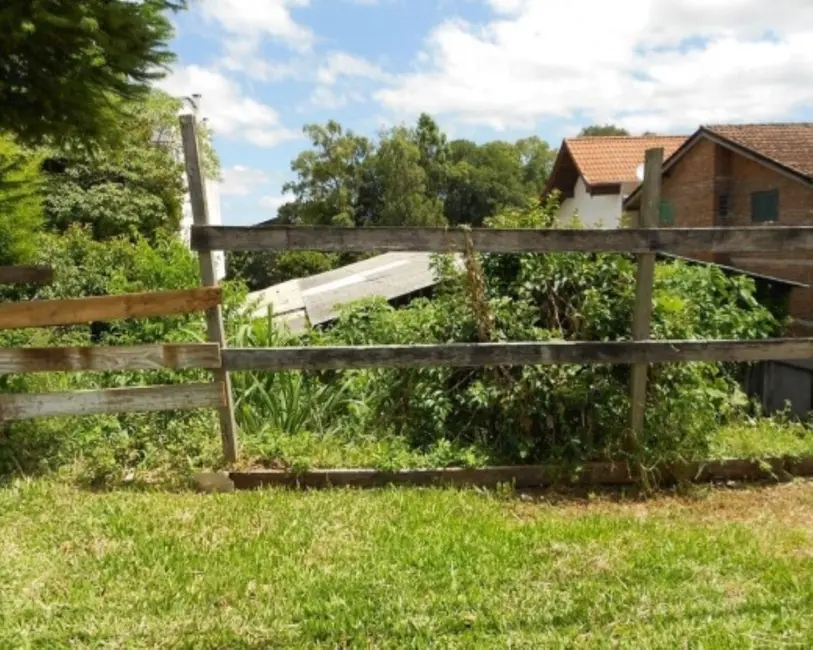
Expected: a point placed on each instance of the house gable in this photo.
(607, 164)
(787, 162)
(564, 175)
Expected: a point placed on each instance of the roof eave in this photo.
(631, 202)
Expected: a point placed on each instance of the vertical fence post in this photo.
(644, 280)
(214, 316)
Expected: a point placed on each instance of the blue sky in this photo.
(485, 69)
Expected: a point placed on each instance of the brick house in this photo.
(594, 174)
(745, 175)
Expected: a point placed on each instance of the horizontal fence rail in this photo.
(131, 357)
(78, 311)
(180, 397)
(441, 240)
(591, 474)
(26, 275)
(465, 355)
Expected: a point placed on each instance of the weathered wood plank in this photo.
(647, 240)
(472, 355)
(595, 474)
(214, 315)
(644, 284)
(131, 357)
(26, 275)
(76, 311)
(182, 397)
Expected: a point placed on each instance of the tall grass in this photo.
(288, 402)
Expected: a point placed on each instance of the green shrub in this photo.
(543, 413)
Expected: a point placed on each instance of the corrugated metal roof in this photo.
(318, 299)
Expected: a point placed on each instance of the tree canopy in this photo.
(603, 129)
(65, 66)
(132, 185)
(411, 175)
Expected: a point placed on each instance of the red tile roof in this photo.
(789, 145)
(615, 159)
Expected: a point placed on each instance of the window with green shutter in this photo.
(765, 206)
(666, 217)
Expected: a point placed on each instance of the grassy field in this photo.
(404, 569)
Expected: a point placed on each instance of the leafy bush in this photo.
(543, 413)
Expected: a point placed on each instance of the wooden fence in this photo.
(644, 241)
(46, 313)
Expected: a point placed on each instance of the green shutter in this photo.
(765, 206)
(666, 216)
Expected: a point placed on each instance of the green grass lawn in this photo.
(761, 438)
(404, 568)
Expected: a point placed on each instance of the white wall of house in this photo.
(600, 211)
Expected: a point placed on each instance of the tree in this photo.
(20, 202)
(131, 185)
(405, 198)
(603, 130)
(329, 176)
(412, 175)
(65, 66)
(537, 160)
(434, 154)
(484, 179)
(263, 269)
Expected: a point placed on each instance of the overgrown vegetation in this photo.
(393, 418)
(568, 413)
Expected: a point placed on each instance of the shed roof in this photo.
(319, 298)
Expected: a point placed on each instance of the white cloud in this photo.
(250, 20)
(649, 65)
(343, 78)
(240, 180)
(327, 98)
(342, 64)
(230, 112)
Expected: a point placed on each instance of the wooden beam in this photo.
(214, 316)
(26, 275)
(595, 474)
(441, 240)
(131, 357)
(644, 282)
(181, 397)
(77, 311)
(473, 355)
